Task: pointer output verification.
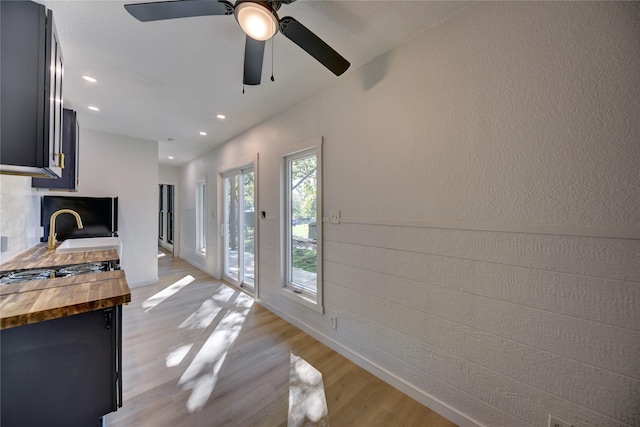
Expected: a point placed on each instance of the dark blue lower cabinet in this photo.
(61, 372)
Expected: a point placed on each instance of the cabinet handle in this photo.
(107, 318)
(60, 160)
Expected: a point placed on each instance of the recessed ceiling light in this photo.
(89, 79)
(221, 116)
(203, 133)
(170, 157)
(91, 107)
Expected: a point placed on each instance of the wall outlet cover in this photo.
(334, 217)
(334, 322)
(557, 422)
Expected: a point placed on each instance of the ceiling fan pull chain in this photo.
(272, 79)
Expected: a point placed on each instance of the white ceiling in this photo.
(169, 79)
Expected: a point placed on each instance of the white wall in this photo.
(168, 174)
(488, 259)
(124, 167)
(19, 215)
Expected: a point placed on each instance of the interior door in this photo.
(239, 227)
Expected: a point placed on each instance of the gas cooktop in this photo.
(50, 273)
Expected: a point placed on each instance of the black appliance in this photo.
(99, 216)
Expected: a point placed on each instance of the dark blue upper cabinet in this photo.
(70, 147)
(31, 94)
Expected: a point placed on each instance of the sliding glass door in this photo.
(239, 227)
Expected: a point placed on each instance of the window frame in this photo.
(287, 288)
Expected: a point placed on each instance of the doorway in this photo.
(166, 216)
(239, 227)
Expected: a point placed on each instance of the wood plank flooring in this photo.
(202, 354)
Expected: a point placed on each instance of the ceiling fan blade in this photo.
(157, 11)
(313, 45)
(253, 57)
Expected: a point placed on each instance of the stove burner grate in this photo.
(27, 275)
(74, 270)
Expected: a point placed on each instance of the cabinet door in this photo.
(53, 109)
(70, 146)
(30, 86)
(59, 372)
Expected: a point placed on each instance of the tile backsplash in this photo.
(19, 215)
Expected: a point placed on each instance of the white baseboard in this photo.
(430, 402)
(196, 263)
(200, 266)
(140, 283)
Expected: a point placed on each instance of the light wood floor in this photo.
(204, 356)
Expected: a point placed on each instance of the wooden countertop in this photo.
(38, 300)
(40, 257)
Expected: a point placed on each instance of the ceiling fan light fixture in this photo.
(257, 19)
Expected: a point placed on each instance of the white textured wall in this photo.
(124, 167)
(19, 215)
(488, 262)
(168, 174)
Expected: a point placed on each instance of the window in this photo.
(201, 217)
(302, 260)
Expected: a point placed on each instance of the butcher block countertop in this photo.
(41, 257)
(38, 300)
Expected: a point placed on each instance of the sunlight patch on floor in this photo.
(176, 356)
(161, 254)
(170, 290)
(202, 318)
(307, 400)
(202, 374)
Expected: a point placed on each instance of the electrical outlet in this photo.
(556, 422)
(334, 217)
(334, 322)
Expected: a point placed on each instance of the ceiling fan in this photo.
(258, 19)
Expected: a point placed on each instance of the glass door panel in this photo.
(248, 238)
(232, 261)
(239, 228)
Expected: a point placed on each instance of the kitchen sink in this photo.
(90, 244)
